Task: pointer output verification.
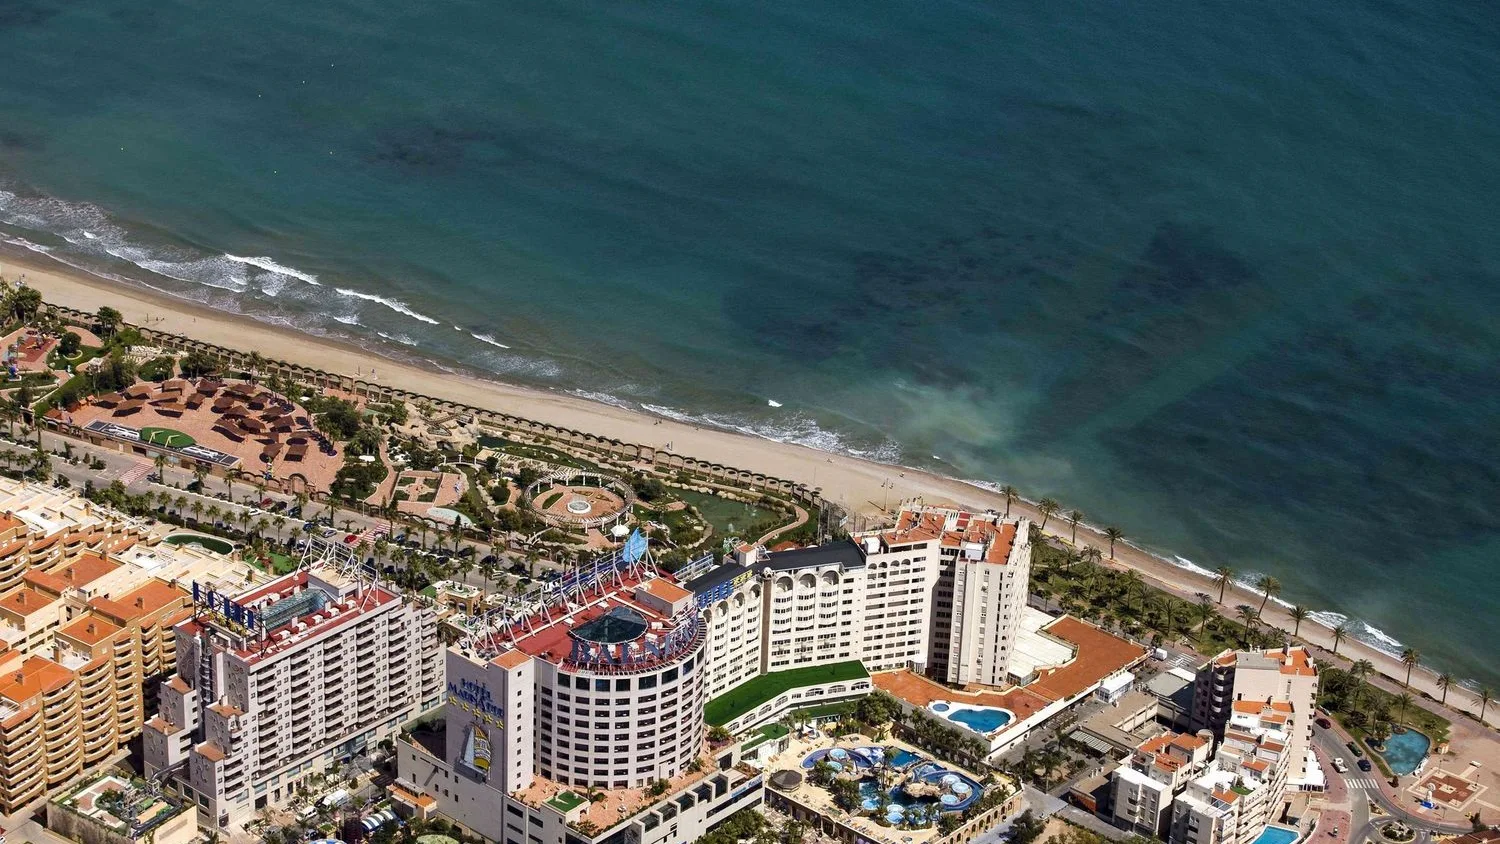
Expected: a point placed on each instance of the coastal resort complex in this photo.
(626, 704)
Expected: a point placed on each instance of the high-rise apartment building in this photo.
(276, 683)
(1243, 789)
(1285, 675)
(1144, 786)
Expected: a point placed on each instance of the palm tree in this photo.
(1339, 632)
(1298, 614)
(1047, 507)
(1404, 699)
(1250, 617)
(1444, 680)
(1223, 576)
(280, 522)
(1410, 658)
(1113, 534)
(1269, 588)
(1010, 493)
(180, 504)
(1204, 609)
(1485, 696)
(1133, 584)
(1074, 518)
(1359, 671)
(108, 320)
(25, 302)
(197, 509)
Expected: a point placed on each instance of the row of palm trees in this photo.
(1049, 507)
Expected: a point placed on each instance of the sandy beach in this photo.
(861, 486)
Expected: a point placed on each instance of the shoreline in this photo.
(860, 485)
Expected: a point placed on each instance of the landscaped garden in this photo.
(736, 702)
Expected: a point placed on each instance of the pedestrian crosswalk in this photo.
(1365, 783)
(135, 473)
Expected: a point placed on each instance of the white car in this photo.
(1340, 765)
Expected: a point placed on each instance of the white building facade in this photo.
(277, 683)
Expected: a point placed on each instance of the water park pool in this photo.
(1404, 752)
(981, 719)
(1277, 835)
(210, 543)
(954, 792)
(950, 790)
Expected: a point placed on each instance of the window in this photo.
(622, 685)
(601, 685)
(648, 682)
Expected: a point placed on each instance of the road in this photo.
(1367, 787)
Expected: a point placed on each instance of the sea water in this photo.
(1223, 275)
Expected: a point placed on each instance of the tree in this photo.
(69, 344)
(1359, 671)
(108, 321)
(1403, 700)
(1250, 617)
(1027, 828)
(1223, 576)
(1444, 680)
(1269, 588)
(25, 302)
(1113, 534)
(1010, 493)
(1074, 517)
(1410, 658)
(1205, 609)
(1047, 507)
(1298, 614)
(1340, 630)
(1485, 696)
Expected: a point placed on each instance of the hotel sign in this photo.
(475, 698)
(223, 605)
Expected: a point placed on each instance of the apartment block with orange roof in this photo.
(1286, 675)
(1244, 788)
(1144, 786)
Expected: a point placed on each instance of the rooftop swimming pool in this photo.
(1404, 752)
(207, 542)
(1277, 835)
(980, 719)
(937, 788)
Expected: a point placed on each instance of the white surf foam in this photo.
(396, 305)
(271, 266)
(485, 338)
(797, 430)
(398, 338)
(773, 403)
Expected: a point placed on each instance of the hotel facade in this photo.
(278, 682)
(602, 683)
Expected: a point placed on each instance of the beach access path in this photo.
(860, 486)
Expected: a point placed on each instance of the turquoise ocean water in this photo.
(1227, 275)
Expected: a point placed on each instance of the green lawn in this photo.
(566, 801)
(731, 705)
(166, 437)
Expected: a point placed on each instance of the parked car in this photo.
(1324, 723)
(1364, 764)
(327, 532)
(351, 539)
(1355, 749)
(1340, 765)
(295, 512)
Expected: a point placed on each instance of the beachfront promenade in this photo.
(859, 486)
